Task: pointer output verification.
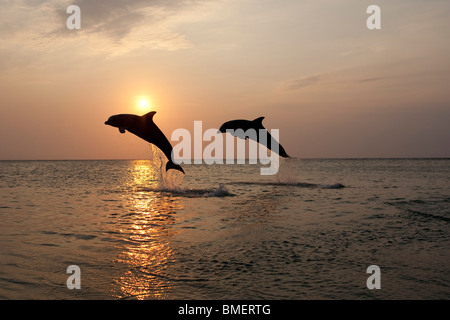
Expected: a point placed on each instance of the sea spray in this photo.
(171, 181)
(167, 180)
(220, 192)
(287, 173)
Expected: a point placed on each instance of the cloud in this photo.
(114, 19)
(301, 82)
(374, 79)
(109, 27)
(342, 77)
(135, 23)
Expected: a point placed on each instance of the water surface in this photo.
(225, 232)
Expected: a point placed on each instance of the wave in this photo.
(219, 192)
(171, 182)
(432, 209)
(293, 184)
(222, 190)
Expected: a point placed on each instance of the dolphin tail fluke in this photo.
(171, 165)
(282, 152)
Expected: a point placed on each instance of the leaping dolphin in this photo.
(256, 125)
(145, 128)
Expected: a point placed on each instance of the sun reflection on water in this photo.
(146, 232)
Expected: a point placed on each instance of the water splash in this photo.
(167, 180)
(221, 191)
(287, 174)
(172, 181)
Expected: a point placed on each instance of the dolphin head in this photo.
(227, 125)
(116, 121)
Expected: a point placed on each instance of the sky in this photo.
(332, 87)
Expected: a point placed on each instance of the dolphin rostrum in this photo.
(233, 127)
(145, 128)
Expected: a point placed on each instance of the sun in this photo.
(143, 104)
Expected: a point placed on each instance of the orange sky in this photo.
(331, 86)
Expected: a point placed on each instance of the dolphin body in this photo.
(257, 126)
(145, 128)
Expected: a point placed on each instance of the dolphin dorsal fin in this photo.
(258, 121)
(149, 115)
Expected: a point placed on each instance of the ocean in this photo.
(225, 231)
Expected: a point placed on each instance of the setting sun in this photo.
(143, 104)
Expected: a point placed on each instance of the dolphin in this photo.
(145, 128)
(255, 125)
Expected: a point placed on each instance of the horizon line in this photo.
(192, 159)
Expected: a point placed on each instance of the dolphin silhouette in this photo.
(145, 128)
(255, 125)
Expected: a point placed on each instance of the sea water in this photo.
(224, 231)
